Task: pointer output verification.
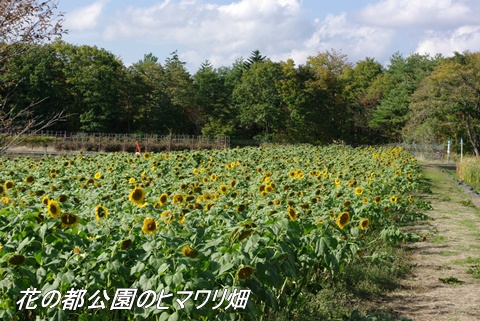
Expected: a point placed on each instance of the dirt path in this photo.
(445, 281)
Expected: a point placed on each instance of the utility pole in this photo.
(461, 149)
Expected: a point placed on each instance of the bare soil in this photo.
(442, 285)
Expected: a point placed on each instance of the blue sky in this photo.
(222, 31)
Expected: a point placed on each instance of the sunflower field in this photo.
(264, 219)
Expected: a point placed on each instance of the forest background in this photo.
(418, 99)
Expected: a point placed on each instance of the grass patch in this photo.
(449, 253)
(439, 239)
(473, 265)
(351, 295)
(469, 224)
(451, 280)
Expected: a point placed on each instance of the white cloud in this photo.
(415, 13)
(461, 39)
(357, 41)
(216, 32)
(85, 18)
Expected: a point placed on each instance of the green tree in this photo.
(258, 102)
(255, 57)
(448, 102)
(148, 104)
(95, 77)
(328, 115)
(213, 99)
(23, 23)
(401, 79)
(184, 115)
(360, 90)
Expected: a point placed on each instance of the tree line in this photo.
(418, 98)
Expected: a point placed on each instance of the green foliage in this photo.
(266, 219)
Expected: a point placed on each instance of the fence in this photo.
(425, 151)
(63, 141)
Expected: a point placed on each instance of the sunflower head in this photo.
(377, 199)
(223, 189)
(393, 199)
(149, 226)
(53, 208)
(17, 259)
(343, 219)
(137, 196)
(188, 251)
(29, 179)
(358, 191)
(292, 213)
(2, 190)
(245, 272)
(9, 184)
(45, 200)
(126, 244)
(364, 223)
(62, 198)
(101, 212)
(98, 175)
(162, 199)
(178, 199)
(68, 220)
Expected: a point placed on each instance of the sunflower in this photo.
(137, 196)
(62, 198)
(358, 191)
(53, 208)
(29, 179)
(377, 199)
(131, 180)
(146, 155)
(268, 189)
(9, 184)
(276, 202)
(213, 177)
(364, 223)
(292, 213)
(2, 190)
(223, 189)
(245, 272)
(68, 220)
(149, 226)
(233, 183)
(126, 244)
(365, 200)
(343, 219)
(178, 199)
(209, 206)
(17, 259)
(163, 199)
(188, 251)
(168, 215)
(347, 203)
(410, 198)
(45, 200)
(98, 175)
(101, 212)
(393, 199)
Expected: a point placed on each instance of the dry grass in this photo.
(469, 170)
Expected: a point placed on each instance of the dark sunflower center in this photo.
(151, 226)
(53, 209)
(137, 195)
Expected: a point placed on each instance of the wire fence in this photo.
(67, 141)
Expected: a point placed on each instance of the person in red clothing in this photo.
(138, 147)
